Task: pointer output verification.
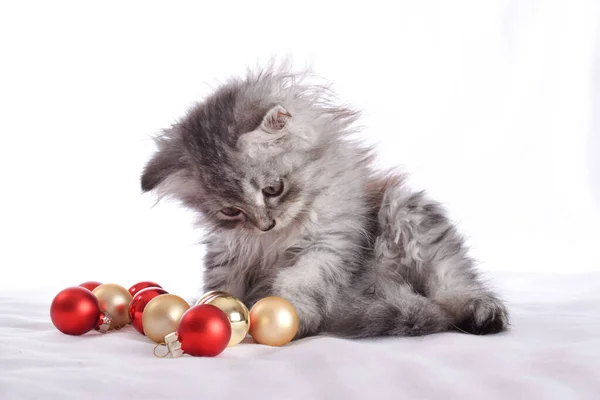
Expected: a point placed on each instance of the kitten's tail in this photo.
(401, 314)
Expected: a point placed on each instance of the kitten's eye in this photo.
(273, 190)
(231, 211)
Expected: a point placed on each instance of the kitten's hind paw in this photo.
(483, 316)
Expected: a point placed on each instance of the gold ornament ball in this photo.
(114, 299)
(211, 294)
(273, 321)
(161, 316)
(236, 311)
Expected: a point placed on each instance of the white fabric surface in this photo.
(551, 352)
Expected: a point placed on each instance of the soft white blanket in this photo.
(551, 352)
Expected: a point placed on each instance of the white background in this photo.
(493, 106)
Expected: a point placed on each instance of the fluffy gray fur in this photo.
(356, 251)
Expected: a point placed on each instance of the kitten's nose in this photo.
(268, 228)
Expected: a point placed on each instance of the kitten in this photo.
(293, 208)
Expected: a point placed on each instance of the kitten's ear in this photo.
(276, 119)
(163, 163)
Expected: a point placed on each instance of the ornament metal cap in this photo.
(174, 345)
(104, 323)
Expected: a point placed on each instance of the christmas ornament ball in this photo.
(90, 285)
(273, 321)
(211, 294)
(141, 286)
(114, 299)
(161, 316)
(75, 311)
(237, 313)
(204, 331)
(138, 304)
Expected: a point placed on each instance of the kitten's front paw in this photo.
(485, 315)
(307, 306)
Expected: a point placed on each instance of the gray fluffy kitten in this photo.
(293, 208)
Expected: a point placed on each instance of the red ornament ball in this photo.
(141, 286)
(204, 330)
(138, 303)
(75, 311)
(90, 285)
